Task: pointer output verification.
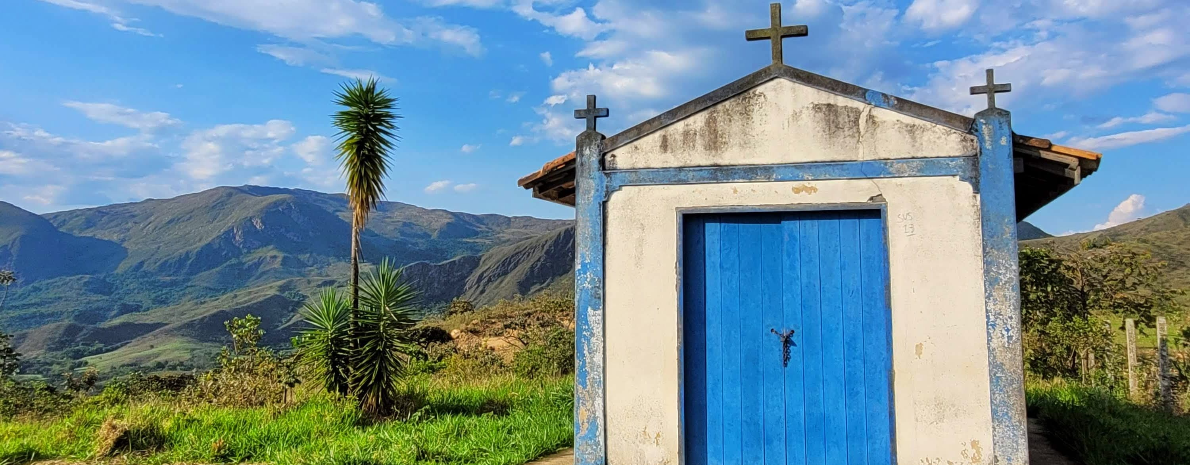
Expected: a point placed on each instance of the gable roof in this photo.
(1045, 171)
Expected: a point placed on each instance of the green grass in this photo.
(1101, 429)
(500, 420)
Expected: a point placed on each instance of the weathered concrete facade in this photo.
(940, 351)
(940, 194)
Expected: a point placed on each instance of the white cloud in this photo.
(1147, 118)
(294, 56)
(468, 148)
(307, 20)
(1128, 139)
(135, 30)
(940, 15)
(119, 22)
(314, 150)
(1056, 135)
(14, 164)
(638, 77)
(1131, 209)
(39, 140)
(1174, 103)
(466, 187)
(515, 97)
(44, 194)
(555, 100)
(361, 74)
(517, 141)
(437, 186)
(211, 152)
(127, 117)
(470, 3)
(547, 58)
(464, 37)
(575, 24)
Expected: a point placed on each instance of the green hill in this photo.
(148, 282)
(1165, 235)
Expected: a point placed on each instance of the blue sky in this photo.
(106, 101)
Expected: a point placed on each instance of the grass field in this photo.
(496, 421)
(1099, 428)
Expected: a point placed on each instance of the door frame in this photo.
(876, 203)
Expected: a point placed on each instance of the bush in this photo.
(138, 385)
(548, 355)
(1102, 429)
(32, 398)
(248, 375)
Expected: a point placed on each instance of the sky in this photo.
(107, 101)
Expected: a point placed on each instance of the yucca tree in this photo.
(366, 361)
(325, 345)
(382, 336)
(367, 136)
(7, 278)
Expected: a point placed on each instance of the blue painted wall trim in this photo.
(993, 128)
(963, 167)
(590, 433)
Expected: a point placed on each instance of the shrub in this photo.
(369, 347)
(1102, 429)
(33, 398)
(472, 364)
(137, 385)
(248, 375)
(551, 354)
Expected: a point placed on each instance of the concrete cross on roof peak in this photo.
(991, 89)
(775, 33)
(591, 113)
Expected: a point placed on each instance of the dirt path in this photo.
(1041, 451)
(565, 457)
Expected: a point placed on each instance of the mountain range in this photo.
(149, 284)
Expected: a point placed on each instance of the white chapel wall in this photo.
(940, 352)
(784, 122)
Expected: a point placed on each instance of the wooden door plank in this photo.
(771, 356)
(714, 347)
(833, 387)
(751, 334)
(795, 415)
(853, 339)
(812, 347)
(729, 267)
(694, 339)
(877, 340)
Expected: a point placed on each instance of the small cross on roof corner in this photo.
(591, 113)
(991, 89)
(776, 32)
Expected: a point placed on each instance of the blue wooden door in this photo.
(786, 341)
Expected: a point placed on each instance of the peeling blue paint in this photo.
(993, 128)
(963, 167)
(590, 434)
(880, 99)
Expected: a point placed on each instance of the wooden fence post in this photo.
(1164, 382)
(1130, 329)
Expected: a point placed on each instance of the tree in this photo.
(369, 360)
(1066, 297)
(7, 278)
(324, 346)
(10, 360)
(367, 135)
(384, 343)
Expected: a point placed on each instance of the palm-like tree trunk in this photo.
(4, 298)
(356, 252)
